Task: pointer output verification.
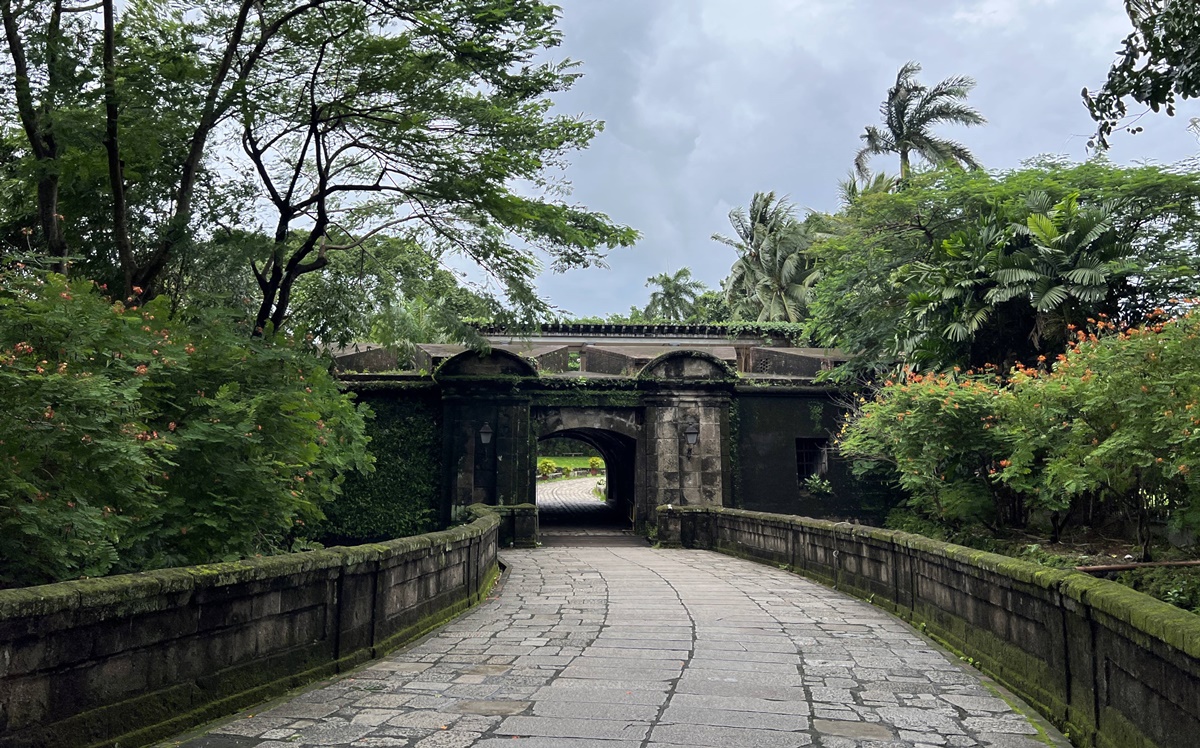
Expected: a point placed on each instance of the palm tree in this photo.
(909, 112)
(771, 279)
(786, 274)
(675, 299)
(1065, 271)
(855, 186)
(755, 233)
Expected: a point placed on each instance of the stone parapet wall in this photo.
(1111, 667)
(130, 659)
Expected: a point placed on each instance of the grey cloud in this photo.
(708, 101)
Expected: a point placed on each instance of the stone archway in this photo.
(664, 433)
(619, 450)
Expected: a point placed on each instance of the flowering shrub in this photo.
(132, 440)
(1114, 421)
(937, 434)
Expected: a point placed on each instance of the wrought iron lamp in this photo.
(692, 435)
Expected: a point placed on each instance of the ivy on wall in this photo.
(401, 496)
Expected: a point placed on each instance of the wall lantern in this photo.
(485, 434)
(692, 435)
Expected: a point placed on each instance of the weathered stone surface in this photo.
(630, 646)
(1117, 666)
(146, 648)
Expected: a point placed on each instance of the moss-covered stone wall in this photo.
(769, 421)
(1111, 667)
(403, 495)
(128, 660)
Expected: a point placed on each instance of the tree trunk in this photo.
(37, 124)
(116, 177)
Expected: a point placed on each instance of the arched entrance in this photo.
(614, 434)
(664, 434)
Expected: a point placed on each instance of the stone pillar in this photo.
(679, 473)
(685, 389)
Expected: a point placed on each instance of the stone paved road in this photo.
(570, 514)
(628, 647)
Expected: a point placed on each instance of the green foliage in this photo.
(967, 268)
(1158, 62)
(400, 497)
(1113, 423)
(710, 308)
(818, 485)
(1115, 419)
(387, 291)
(562, 447)
(935, 436)
(546, 466)
(595, 463)
(133, 439)
(675, 297)
(1179, 586)
(771, 279)
(411, 121)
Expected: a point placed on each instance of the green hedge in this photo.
(401, 496)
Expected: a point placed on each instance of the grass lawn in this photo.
(570, 462)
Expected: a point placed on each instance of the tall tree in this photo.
(1160, 60)
(770, 279)
(402, 117)
(675, 298)
(910, 112)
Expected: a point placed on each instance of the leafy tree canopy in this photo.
(1159, 61)
(970, 268)
(302, 128)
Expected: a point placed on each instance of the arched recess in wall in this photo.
(687, 365)
(495, 363)
(619, 451)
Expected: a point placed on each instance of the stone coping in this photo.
(1111, 666)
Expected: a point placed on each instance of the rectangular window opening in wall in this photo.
(812, 457)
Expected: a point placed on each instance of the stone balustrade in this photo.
(1111, 667)
(130, 659)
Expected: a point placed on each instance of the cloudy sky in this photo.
(709, 101)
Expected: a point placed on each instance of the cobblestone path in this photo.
(627, 647)
(569, 513)
(573, 500)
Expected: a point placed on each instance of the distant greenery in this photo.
(674, 297)
(571, 463)
(562, 447)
